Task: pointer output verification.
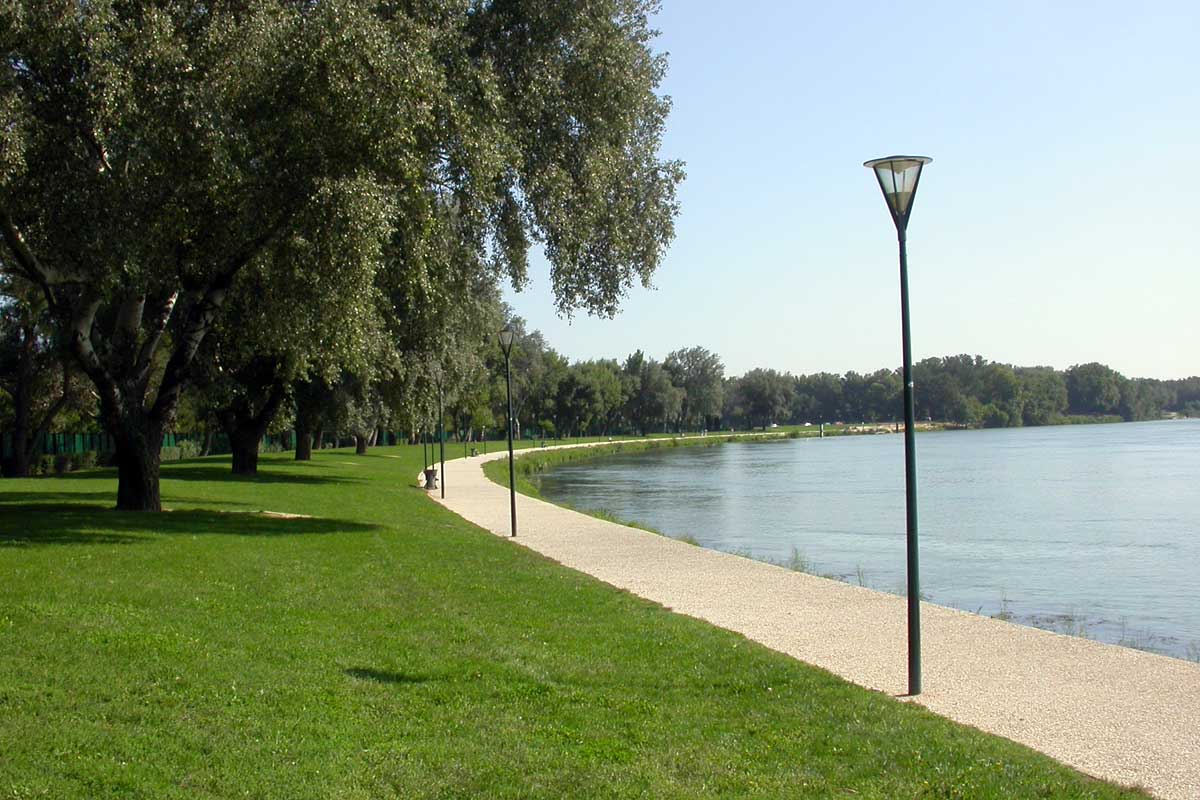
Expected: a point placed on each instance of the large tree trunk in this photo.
(244, 445)
(311, 398)
(17, 466)
(360, 444)
(138, 455)
(246, 427)
(304, 443)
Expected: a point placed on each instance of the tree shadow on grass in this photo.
(90, 498)
(34, 497)
(219, 472)
(383, 676)
(35, 524)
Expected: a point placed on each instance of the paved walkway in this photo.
(1112, 712)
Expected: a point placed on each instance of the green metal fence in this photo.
(53, 444)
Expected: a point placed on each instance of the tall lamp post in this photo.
(898, 177)
(506, 342)
(441, 426)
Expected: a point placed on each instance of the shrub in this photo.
(42, 465)
(170, 454)
(62, 464)
(86, 459)
(189, 449)
(269, 447)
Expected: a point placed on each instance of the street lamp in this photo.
(506, 342)
(441, 428)
(898, 177)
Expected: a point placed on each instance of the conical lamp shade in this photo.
(506, 338)
(898, 177)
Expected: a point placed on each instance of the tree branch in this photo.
(52, 411)
(274, 399)
(202, 307)
(126, 329)
(145, 356)
(31, 266)
(80, 345)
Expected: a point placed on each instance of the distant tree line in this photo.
(963, 389)
(688, 390)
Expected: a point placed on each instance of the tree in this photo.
(314, 402)
(588, 396)
(701, 375)
(1137, 400)
(826, 389)
(654, 401)
(1045, 393)
(38, 380)
(1001, 388)
(765, 395)
(884, 395)
(855, 403)
(150, 154)
(159, 152)
(1093, 388)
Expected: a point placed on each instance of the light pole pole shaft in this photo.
(442, 441)
(910, 484)
(512, 480)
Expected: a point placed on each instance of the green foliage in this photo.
(1093, 389)
(653, 401)
(701, 376)
(763, 396)
(43, 465)
(311, 183)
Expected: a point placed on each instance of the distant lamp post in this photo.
(506, 343)
(898, 177)
(441, 426)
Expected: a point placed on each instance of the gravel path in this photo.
(1115, 713)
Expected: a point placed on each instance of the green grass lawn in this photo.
(385, 648)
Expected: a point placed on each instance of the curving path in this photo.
(1115, 713)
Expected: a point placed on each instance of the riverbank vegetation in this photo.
(361, 641)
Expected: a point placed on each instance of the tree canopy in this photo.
(152, 155)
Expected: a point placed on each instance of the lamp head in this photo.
(506, 339)
(898, 177)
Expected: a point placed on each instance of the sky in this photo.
(1058, 224)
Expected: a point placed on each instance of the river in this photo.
(1090, 530)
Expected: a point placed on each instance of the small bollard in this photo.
(431, 478)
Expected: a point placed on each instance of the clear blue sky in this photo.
(1059, 222)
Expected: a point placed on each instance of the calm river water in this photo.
(1091, 530)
